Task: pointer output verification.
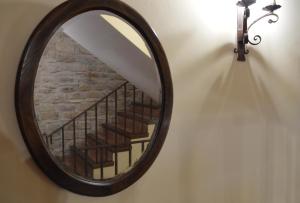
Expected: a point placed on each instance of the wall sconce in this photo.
(243, 28)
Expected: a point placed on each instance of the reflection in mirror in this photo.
(97, 96)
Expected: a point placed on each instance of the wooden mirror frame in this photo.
(25, 105)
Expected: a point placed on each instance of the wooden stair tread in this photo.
(93, 164)
(131, 135)
(96, 152)
(132, 125)
(138, 117)
(124, 142)
(145, 111)
(129, 129)
(153, 106)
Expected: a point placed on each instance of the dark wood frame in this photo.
(25, 106)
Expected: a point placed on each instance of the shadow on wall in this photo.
(240, 91)
(21, 181)
(282, 89)
(204, 71)
(234, 119)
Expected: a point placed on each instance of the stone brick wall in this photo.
(68, 81)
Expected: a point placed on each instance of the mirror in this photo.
(97, 95)
(94, 96)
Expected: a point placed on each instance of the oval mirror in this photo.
(94, 96)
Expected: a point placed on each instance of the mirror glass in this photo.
(97, 96)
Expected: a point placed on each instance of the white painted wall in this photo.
(234, 135)
(110, 46)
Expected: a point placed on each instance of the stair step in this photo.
(154, 106)
(138, 127)
(131, 135)
(138, 117)
(132, 125)
(99, 153)
(123, 142)
(145, 110)
(91, 163)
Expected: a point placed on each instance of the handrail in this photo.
(89, 108)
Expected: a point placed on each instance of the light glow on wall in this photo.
(218, 16)
(127, 31)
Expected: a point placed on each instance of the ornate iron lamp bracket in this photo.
(243, 28)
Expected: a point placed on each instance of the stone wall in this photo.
(69, 80)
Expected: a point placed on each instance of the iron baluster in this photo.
(116, 138)
(143, 106)
(101, 163)
(74, 143)
(151, 109)
(134, 98)
(63, 143)
(106, 123)
(47, 140)
(125, 109)
(96, 129)
(86, 144)
(143, 147)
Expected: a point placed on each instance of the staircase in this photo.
(105, 140)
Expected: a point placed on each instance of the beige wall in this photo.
(234, 136)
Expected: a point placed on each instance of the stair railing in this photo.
(95, 105)
(116, 142)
